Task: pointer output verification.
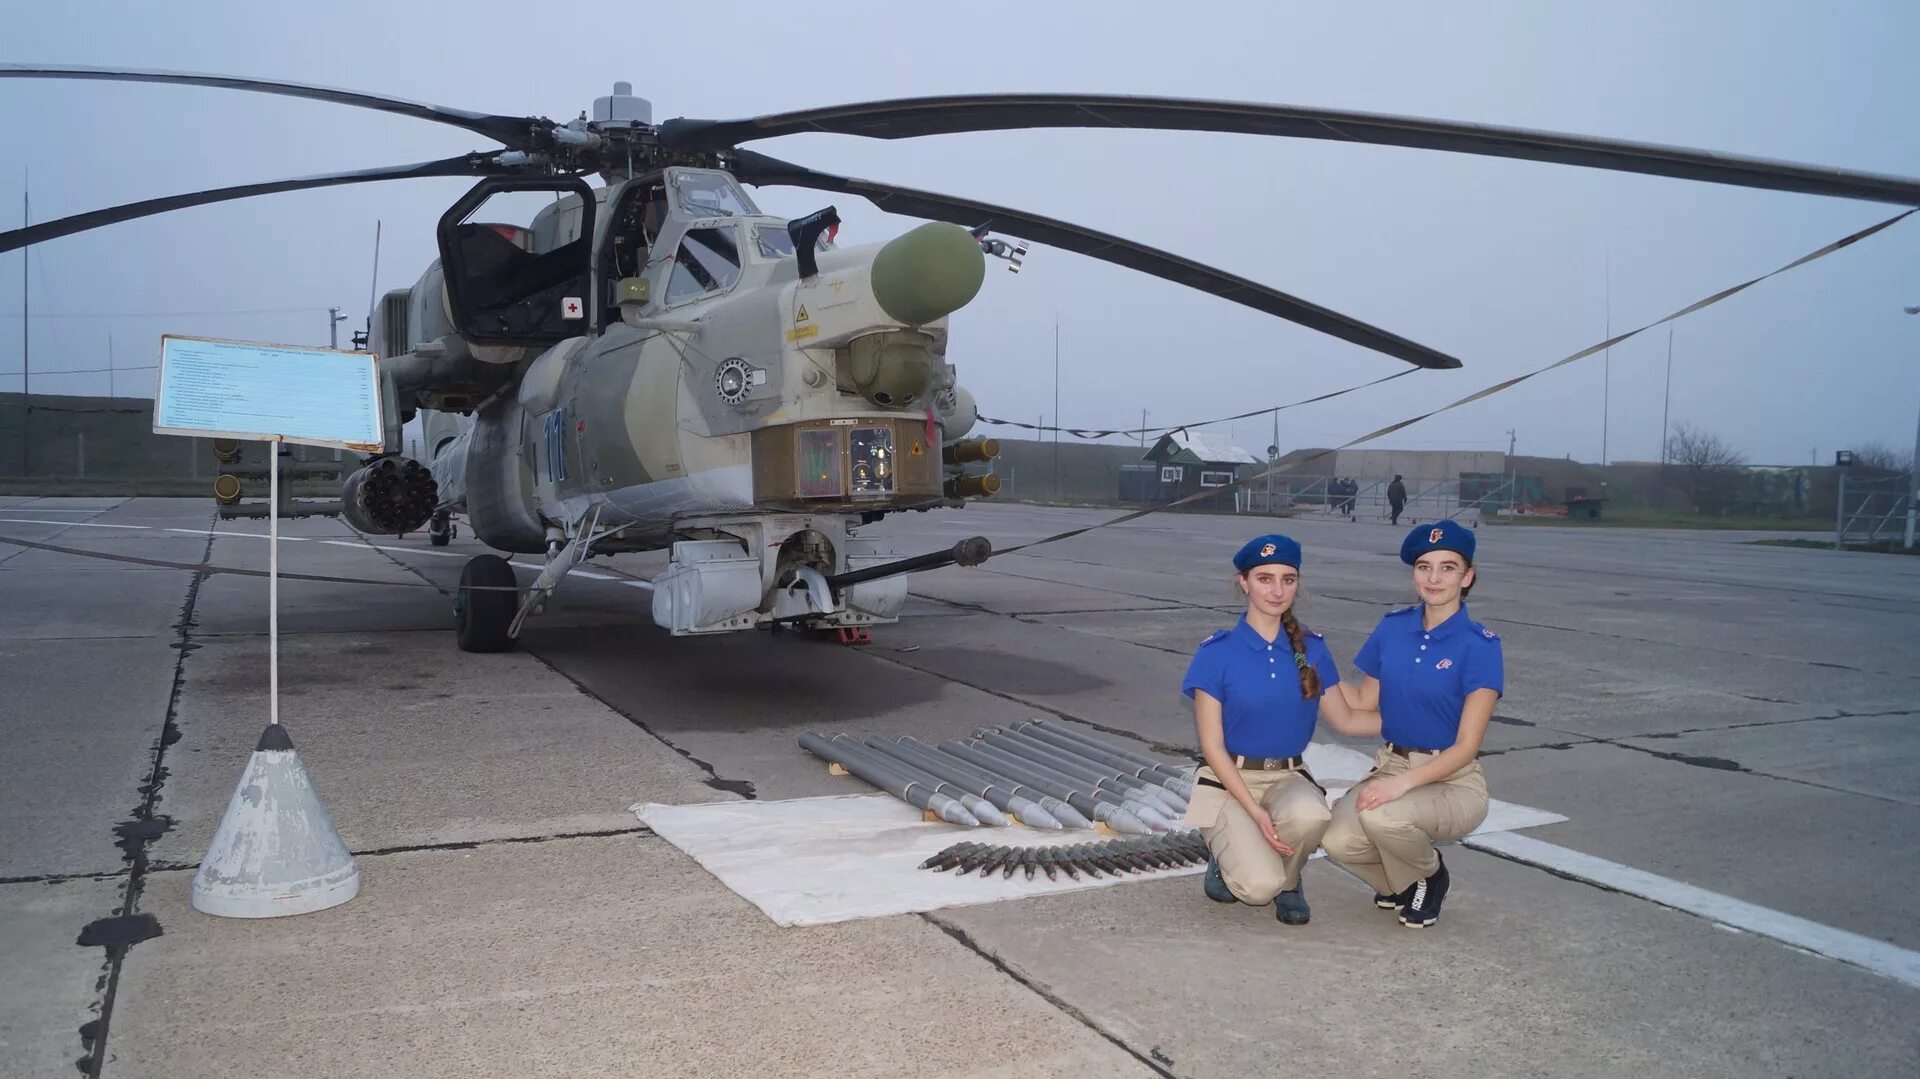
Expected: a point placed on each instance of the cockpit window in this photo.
(708, 261)
(775, 242)
(708, 194)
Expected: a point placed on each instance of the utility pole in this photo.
(1913, 485)
(1056, 405)
(334, 319)
(1606, 366)
(1273, 459)
(26, 366)
(1666, 403)
(373, 286)
(1513, 472)
(1913, 472)
(110, 389)
(1143, 429)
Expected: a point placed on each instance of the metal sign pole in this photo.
(1840, 511)
(273, 581)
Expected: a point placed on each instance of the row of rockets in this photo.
(1044, 775)
(1130, 854)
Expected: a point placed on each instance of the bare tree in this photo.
(1878, 457)
(1709, 468)
(1693, 448)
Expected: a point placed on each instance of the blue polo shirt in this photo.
(1257, 684)
(1425, 675)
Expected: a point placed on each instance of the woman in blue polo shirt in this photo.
(1434, 675)
(1257, 689)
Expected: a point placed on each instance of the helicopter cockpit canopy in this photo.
(708, 193)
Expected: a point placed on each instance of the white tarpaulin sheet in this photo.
(813, 861)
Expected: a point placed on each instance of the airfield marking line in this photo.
(70, 524)
(216, 534)
(589, 575)
(1853, 949)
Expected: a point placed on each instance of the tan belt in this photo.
(1268, 764)
(1407, 751)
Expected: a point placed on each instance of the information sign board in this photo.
(260, 392)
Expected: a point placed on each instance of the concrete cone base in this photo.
(276, 852)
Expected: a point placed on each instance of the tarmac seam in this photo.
(1717, 764)
(965, 939)
(742, 787)
(715, 780)
(1703, 648)
(640, 831)
(62, 878)
(64, 526)
(135, 840)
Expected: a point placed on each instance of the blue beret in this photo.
(1267, 550)
(1442, 535)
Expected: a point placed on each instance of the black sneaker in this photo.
(1216, 885)
(1291, 906)
(1390, 902)
(1424, 899)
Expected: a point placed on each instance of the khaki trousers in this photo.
(1391, 846)
(1254, 871)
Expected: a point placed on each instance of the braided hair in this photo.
(1297, 635)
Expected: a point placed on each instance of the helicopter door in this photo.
(514, 285)
(635, 222)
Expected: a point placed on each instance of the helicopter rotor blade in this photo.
(470, 165)
(907, 118)
(519, 133)
(761, 170)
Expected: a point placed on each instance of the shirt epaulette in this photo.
(1404, 610)
(1315, 633)
(1217, 635)
(1484, 631)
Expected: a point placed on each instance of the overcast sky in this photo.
(1505, 264)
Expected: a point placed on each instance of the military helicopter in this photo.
(654, 363)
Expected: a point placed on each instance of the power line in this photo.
(176, 314)
(84, 371)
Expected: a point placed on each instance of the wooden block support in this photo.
(835, 768)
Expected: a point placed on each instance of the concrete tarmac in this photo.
(1731, 717)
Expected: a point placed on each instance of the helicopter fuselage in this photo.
(716, 394)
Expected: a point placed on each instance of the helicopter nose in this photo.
(928, 273)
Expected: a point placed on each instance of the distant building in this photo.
(1182, 463)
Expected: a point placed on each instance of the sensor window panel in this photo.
(817, 460)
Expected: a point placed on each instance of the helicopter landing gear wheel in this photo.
(441, 530)
(484, 607)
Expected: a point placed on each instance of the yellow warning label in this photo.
(915, 450)
(801, 333)
(801, 315)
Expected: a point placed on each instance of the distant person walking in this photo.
(1396, 497)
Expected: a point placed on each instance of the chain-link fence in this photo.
(90, 445)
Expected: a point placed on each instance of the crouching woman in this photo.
(1434, 674)
(1257, 691)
